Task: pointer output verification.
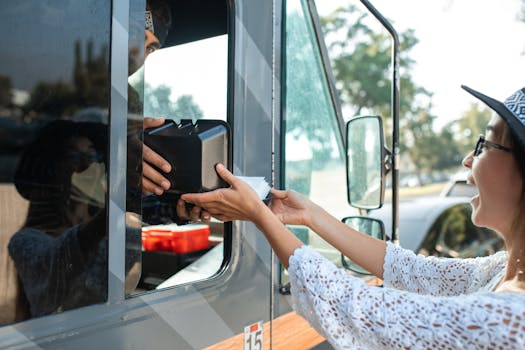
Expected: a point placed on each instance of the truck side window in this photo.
(314, 153)
(184, 79)
(54, 98)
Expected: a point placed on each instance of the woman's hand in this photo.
(193, 214)
(238, 202)
(291, 207)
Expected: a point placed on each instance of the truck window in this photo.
(315, 164)
(54, 97)
(314, 158)
(185, 79)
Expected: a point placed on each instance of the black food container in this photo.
(193, 150)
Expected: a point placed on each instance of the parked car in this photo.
(441, 225)
(459, 188)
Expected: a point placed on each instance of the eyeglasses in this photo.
(483, 142)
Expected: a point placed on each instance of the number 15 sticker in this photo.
(253, 336)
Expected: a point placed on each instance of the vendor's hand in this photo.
(291, 207)
(152, 180)
(194, 214)
(238, 202)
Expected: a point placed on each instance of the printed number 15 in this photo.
(254, 341)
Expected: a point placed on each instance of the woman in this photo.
(428, 302)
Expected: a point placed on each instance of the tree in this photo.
(186, 108)
(307, 103)
(361, 60)
(470, 126)
(89, 86)
(158, 103)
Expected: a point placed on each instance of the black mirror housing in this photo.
(372, 227)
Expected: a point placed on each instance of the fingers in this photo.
(195, 214)
(153, 122)
(151, 157)
(225, 174)
(205, 217)
(153, 181)
(149, 187)
(201, 199)
(280, 194)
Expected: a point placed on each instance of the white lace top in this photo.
(427, 303)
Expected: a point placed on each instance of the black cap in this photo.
(512, 110)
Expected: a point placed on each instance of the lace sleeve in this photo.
(439, 276)
(352, 315)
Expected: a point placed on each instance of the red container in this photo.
(177, 239)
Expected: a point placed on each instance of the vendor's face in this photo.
(151, 43)
(497, 176)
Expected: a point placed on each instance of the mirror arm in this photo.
(388, 161)
(395, 114)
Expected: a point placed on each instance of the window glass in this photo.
(454, 235)
(183, 83)
(315, 163)
(54, 97)
(183, 80)
(314, 160)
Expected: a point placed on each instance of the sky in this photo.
(475, 43)
(188, 70)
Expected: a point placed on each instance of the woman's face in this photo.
(497, 177)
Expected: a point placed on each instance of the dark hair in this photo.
(518, 151)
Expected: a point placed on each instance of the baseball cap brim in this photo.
(515, 123)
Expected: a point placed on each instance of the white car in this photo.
(441, 225)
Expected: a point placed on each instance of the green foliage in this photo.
(362, 62)
(158, 103)
(88, 87)
(52, 99)
(308, 105)
(470, 126)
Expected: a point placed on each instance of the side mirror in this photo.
(369, 226)
(367, 162)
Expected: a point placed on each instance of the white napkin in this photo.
(258, 183)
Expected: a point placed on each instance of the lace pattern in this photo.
(352, 315)
(437, 276)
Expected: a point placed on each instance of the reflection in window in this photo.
(54, 97)
(185, 79)
(454, 235)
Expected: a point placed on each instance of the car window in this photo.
(460, 189)
(454, 235)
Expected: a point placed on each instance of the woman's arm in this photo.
(240, 202)
(350, 314)
(293, 208)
